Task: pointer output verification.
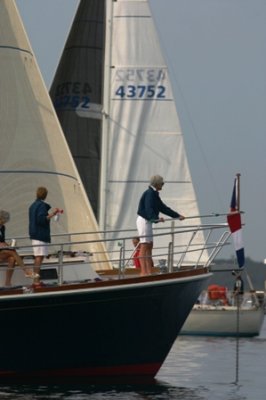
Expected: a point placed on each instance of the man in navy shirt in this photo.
(150, 205)
(39, 227)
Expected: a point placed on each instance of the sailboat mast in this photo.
(105, 119)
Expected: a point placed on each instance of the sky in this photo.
(216, 54)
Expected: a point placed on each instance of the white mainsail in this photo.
(130, 93)
(33, 148)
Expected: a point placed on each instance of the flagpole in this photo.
(238, 207)
(238, 191)
(237, 296)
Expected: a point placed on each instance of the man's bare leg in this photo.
(146, 262)
(37, 266)
(9, 271)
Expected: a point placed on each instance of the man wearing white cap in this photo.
(150, 205)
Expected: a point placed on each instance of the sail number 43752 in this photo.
(141, 91)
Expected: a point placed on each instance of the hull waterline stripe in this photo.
(122, 370)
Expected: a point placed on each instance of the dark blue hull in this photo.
(123, 328)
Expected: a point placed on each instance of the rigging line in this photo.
(146, 145)
(16, 48)
(144, 181)
(38, 172)
(173, 77)
(195, 133)
(213, 214)
(132, 16)
(237, 339)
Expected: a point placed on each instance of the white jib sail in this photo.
(33, 148)
(143, 132)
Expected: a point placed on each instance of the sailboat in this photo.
(220, 312)
(114, 100)
(83, 325)
(215, 317)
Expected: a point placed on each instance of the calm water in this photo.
(196, 369)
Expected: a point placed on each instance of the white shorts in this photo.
(40, 248)
(144, 229)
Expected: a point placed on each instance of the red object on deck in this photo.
(216, 292)
(136, 257)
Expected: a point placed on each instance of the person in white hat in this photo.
(150, 205)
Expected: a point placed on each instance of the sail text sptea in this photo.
(149, 75)
(71, 95)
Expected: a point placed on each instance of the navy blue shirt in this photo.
(2, 234)
(150, 205)
(39, 225)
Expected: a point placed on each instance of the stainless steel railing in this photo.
(175, 255)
